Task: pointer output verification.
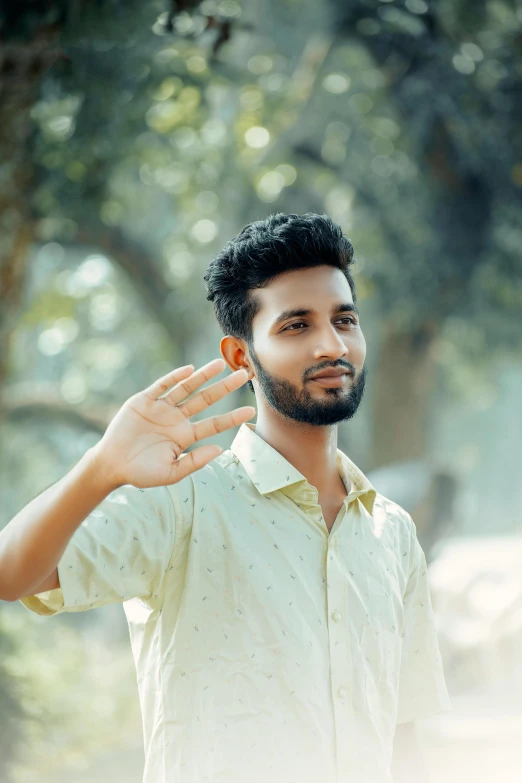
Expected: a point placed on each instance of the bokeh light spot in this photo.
(257, 137)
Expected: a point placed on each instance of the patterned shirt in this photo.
(266, 648)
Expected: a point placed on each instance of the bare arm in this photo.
(143, 445)
(33, 542)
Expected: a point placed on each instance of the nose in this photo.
(330, 344)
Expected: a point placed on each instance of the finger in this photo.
(167, 381)
(197, 379)
(214, 424)
(194, 460)
(213, 393)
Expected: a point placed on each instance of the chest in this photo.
(269, 578)
(330, 510)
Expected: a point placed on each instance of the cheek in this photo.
(359, 348)
(275, 353)
(280, 360)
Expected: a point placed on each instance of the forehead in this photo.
(316, 288)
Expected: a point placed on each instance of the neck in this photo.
(311, 450)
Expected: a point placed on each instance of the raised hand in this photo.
(144, 443)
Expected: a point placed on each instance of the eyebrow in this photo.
(300, 312)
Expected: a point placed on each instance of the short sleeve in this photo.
(120, 551)
(422, 687)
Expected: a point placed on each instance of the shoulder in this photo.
(405, 533)
(385, 507)
(393, 518)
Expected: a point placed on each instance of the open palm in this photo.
(144, 443)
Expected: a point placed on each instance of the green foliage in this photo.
(12, 710)
(404, 127)
(452, 73)
(54, 666)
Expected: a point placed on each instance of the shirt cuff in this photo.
(48, 603)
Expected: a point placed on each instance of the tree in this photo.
(451, 70)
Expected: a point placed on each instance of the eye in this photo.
(348, 318)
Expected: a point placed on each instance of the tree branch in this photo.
(142, 268)
(27, 401)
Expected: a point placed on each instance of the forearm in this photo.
(33, 542)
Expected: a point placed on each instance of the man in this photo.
(278, 606)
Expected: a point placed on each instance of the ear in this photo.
(234, 351)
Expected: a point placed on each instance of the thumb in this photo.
(194, 460)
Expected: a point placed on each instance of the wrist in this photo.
(101, 471)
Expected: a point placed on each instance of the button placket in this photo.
(340, 653)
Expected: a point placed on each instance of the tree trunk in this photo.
(403, 383)
(21, 69)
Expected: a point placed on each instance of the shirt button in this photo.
(336, 616)
(342, 693)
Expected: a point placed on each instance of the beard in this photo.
(338, 405)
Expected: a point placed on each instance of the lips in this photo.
(330, 374)
(330, 381)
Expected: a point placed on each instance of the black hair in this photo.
(261, 251)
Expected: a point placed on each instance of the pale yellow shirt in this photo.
(266, 649)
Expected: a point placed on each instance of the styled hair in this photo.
(261, 251)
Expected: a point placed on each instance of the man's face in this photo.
(290, 349)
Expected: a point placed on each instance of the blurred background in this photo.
(136, 138)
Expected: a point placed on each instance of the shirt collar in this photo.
(269, 470)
